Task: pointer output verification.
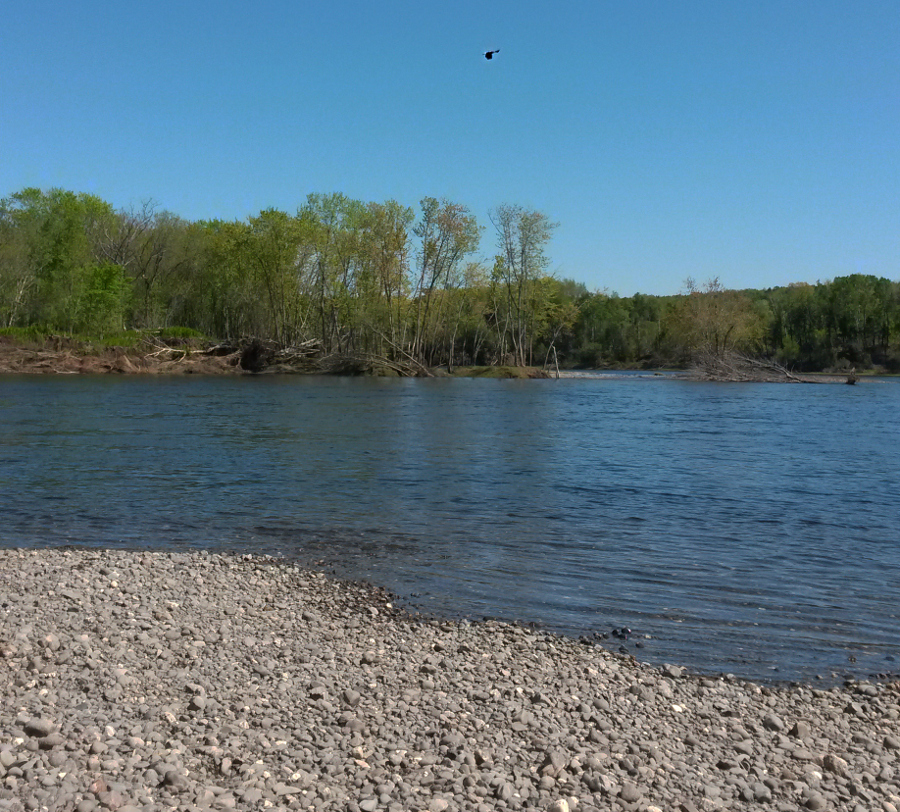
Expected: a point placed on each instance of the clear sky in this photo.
(757, 142)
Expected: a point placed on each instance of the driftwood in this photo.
(411, 367)
(733, 366)
(256, 355)
(736, 367)
(303, 354)
(162, 351)
(363, 363)
(259, 355)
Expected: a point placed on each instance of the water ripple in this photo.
(751, 529)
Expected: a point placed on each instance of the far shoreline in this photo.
(64, 356)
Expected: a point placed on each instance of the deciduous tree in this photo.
(522, 238)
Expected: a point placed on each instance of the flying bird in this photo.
(490, 54)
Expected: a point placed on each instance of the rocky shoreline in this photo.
(194, 681)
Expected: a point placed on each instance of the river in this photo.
(743, 528)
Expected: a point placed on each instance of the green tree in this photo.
(384, 269)
(859, 313)
(19, 231)
(54, 243)
(103, 300)
(712, 321)
(331, 228)
(447, 233)
(154, 247)
(223, 296)
(603, 330)
(522, 238)
(270, 245)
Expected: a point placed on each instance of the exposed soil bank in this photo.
(65, 356)
(69, 357)
(186, 681)
(62, 355)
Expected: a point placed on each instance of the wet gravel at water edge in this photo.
(189, 681)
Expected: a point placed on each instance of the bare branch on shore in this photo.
(732, 366)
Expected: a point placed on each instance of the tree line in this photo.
(850, 321)
(383, 280)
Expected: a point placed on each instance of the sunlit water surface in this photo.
(751, 529)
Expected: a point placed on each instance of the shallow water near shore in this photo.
(751, 529)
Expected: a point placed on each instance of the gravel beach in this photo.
(194, 681)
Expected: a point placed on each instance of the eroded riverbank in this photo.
(180, 681)
(64, 356)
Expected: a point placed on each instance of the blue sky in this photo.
(759, 143)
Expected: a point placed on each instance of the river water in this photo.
(743, 528)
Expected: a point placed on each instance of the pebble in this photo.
(190, 682)
(38, 727)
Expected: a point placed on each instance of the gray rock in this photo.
(630, 793)
(230, 682)
(745, 747)
(837, 765)
(39, 727)
(711, 791)
(50, 741)
(772, 722)
(761, 792)
(800, 730)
